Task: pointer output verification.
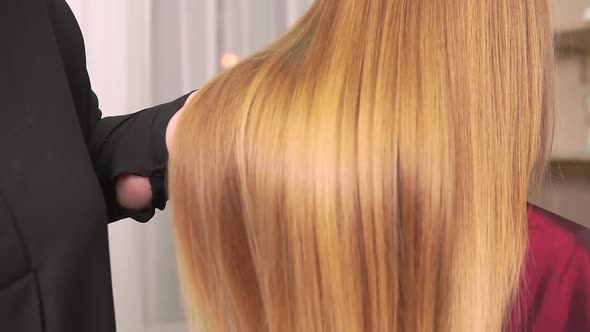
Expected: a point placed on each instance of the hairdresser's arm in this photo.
(130, 157)
(128, 152)
(133, 191)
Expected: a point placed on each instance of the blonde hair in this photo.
(368, 171)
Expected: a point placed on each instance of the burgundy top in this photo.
(555, 293)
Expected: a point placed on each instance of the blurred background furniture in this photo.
(567, 190)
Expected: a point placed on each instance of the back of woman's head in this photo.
(368, 171)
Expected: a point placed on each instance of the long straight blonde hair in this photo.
(368, 171)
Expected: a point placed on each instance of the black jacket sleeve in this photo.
(133, 143)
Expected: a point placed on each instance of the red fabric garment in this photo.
(555, 292)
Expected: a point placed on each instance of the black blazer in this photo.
(58, 162)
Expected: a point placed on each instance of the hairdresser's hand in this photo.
(134, 192)
(171, 128)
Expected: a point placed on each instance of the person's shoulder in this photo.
(556, 286)
(553, 236)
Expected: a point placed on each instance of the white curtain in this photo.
(144, 52)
